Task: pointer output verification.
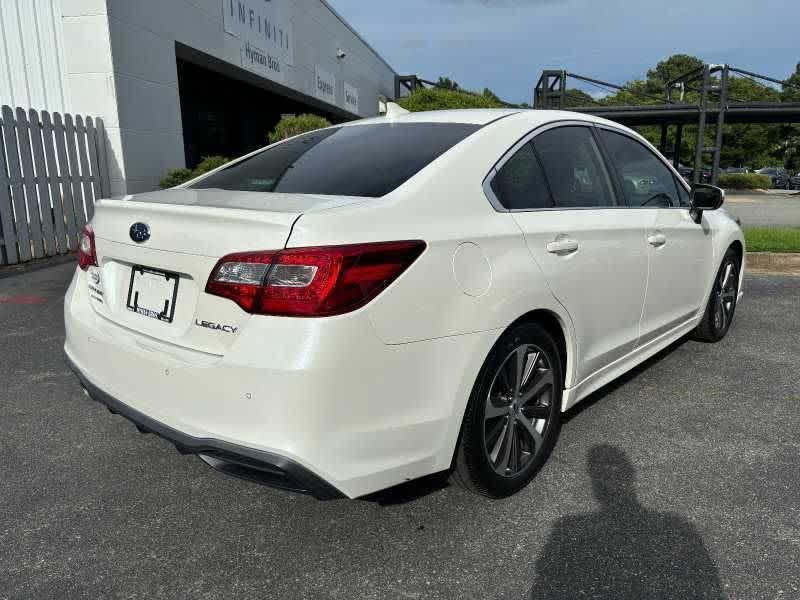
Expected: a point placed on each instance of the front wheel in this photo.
(513, 415)
(722, 302)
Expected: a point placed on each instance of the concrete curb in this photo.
(785, 263)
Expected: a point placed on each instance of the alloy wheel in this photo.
(518, 410)
(724, 296)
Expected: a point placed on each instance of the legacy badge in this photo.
(216, 326)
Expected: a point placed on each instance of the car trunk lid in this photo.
(156, 287)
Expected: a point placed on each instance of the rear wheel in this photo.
(513, 416)
(722, 302)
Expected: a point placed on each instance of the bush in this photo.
(291, 126)
(440, 99)
(209, 163)
(745, 181)
(175, 177)
(182, 175)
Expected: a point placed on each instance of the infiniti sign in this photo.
(140, 232)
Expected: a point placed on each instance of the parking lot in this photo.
(680, 481)
(776, 208)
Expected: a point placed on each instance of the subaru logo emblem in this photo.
(140, 232)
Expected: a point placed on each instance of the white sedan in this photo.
(366, 304)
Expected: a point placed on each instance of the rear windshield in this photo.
(361, 160)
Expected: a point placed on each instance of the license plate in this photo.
(153, 293)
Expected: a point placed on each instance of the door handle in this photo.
(562, 247)
(657, 239)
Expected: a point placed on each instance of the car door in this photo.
(590, 249)
(680, 250)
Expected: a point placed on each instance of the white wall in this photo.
(55, 55)
(89, 73)
(32, 55)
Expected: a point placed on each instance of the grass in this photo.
(772, 239)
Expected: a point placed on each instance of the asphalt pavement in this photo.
(680, 481)
(776, 208)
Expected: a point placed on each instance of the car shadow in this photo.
(410, 491)
(623, 551)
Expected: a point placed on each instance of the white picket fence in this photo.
(52, 169)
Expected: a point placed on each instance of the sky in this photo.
(505, 44)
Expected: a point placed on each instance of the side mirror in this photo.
(705, 197)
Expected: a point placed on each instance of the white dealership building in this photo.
(175, 80)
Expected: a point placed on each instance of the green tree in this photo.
(446, 82)
(789, 149)
(753, 145)
(490, 94)
(670, 68)
(791, 91)
(576, 97)
(749, 145)
(789, 146)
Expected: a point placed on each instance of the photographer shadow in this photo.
(624, 551)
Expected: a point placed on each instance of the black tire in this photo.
(721, 304)
(531, 427)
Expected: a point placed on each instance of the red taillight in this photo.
(87, 254)
(311, 282)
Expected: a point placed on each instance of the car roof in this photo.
(472, 116)
(484, 116)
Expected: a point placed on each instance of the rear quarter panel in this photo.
(444, 204)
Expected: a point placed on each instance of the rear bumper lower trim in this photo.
(262, 467)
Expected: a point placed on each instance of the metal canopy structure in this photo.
(688, 114)
(714, 109)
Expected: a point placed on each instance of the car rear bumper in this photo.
(248, 463)
(316, 405)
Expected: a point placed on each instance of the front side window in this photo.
(683, 196)
(519, 184)
(645, 179)
(574, 168)
(359, 160)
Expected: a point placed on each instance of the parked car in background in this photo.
(688, 173)
(779, 177)
(794, 181)
(738, 170)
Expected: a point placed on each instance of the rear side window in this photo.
(520, 183)
(646, 181)
(574, 168)
(361, 160)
